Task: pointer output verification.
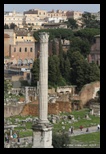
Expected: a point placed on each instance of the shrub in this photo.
(60, 140)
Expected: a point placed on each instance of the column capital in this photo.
(44, 37)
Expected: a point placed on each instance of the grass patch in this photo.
(85, 123)
(87, 139)
(58, 126)
(25, 133)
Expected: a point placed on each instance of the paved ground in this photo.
(79, 132)
(75, 133)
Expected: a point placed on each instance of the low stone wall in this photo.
(11, 110)
(53, 108)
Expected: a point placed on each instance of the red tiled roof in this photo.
(6, 36)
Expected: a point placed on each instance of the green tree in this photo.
(55, 33)
(52, 71)
(60, 140)
(57, 64)
(83, 46)
(71, 23)
(6, 26)
(7, 85)
(87, 34)
(94, 72)
(35, 72)
(89, 21)
(12, 26)
(54, 47)
(67, 70)
(82, 72)
(61, 58)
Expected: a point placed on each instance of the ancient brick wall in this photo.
(30, 109)
(53, 108)
(64, 106)
(87, 92)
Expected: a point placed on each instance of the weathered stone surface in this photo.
(88, 91)
(12, 110)
(53, 108)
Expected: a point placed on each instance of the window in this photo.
(19, 49)
(14, 49)
(31, 49)
(25, 49)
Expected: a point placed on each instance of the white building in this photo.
(55, 19)
(14, 17)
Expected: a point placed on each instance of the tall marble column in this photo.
(43, 81)
(42, 130)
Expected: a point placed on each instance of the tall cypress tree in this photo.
(54, 47)
(51, 71)
(35, 73)
(67, 70)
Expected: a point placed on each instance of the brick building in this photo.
(6, 45)
(94, 55)
(23, 52)
(74, 14)
(19, 46)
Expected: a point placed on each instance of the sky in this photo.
(49, 7)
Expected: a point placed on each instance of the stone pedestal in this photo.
(42, 136)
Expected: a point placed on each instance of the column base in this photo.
(42, 136)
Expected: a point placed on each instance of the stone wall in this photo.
(6, 46)
(53, 108)
(88, 91)
(51, 91)
(30, 109)
(12, 110)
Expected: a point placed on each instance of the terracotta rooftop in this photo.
(23, 33)
(6, 36)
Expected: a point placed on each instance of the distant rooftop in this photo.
(6, 36)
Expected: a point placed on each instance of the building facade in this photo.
(6, 45)
(19, 46)
(14, 17)
(23, 52)
(74, 14)
(94, 55)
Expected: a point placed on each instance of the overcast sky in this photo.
(48, 7)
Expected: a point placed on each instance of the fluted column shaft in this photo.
(43, 81)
